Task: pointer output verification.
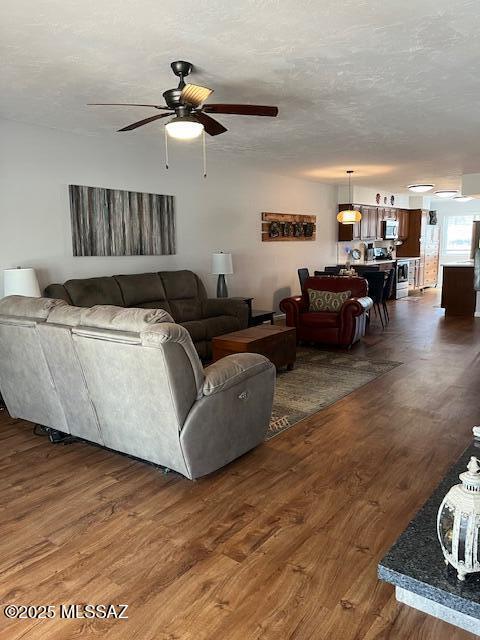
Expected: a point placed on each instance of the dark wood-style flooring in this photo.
(282, 544)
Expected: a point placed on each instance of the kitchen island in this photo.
(458, 292)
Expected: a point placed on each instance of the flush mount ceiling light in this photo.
(445, 193)
(349, 216)
(462, 198)
(184, 128)
(420, 188)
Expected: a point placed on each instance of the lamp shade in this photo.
(21, 282)
(222, 263)
(349, 216)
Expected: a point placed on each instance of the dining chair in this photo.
(303, 274)
(387, 292)
(376, 284)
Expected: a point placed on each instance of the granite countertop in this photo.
(371, 262)
(415, 562)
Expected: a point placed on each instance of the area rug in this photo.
(319, 379)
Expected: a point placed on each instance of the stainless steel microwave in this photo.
(390, 229)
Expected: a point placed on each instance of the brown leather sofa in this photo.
(343, 328)
(180, 293)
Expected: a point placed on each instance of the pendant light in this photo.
(349, 216)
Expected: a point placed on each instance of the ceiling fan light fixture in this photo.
(445, 193)
(420, 188)
(462, 198)
(184, 128)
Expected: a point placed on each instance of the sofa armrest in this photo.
(226, 307)
(292, 308)
(356, 306)
(232, 370)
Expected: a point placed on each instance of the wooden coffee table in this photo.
(278, 344)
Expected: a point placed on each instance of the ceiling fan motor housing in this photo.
(181, 68)
(172, 98)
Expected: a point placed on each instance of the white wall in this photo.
(367, 195)
(222, 212)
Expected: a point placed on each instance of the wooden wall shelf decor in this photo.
(281, 227)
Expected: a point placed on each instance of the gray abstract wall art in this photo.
(113, 222)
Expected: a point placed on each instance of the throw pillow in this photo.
(327, 300)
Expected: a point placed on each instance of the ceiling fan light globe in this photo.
(349, 216)
(420, 188)
(446, 193)
(462, 198)
(184, 128)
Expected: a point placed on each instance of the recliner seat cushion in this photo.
(320, 319)
(196, 328)
(91, 291)
(219, 325)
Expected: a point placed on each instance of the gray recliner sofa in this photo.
(131, 380)
(180, 293)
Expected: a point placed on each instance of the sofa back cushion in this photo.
(142, 289)
(25, 378)
(142, 385)
(26, 307)
(327, 300)
(184, 292)
(91, 291)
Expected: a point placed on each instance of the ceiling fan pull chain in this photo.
(166, 148)
(204, 145)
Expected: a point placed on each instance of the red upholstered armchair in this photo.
(343, 328)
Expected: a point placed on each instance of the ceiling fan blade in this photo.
(140, 123)
(194, 94)
(212, 127)
(242, 109)
(124, 104)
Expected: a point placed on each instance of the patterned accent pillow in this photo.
(327, 300)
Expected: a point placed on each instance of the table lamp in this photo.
(221, 266)
(21, 282)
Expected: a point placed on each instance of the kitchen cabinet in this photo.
(388, 213)
(430, 251)
(423, 241)
(414, 273)
(369, 223)
(402, 219)
(370, 227)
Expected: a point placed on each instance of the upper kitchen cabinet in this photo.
(370, 227)
(349, 232)
(402, 219)
(388, 213)
(369, 223)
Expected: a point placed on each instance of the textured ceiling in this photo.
(385, 87)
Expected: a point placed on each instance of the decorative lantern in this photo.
(458, 522)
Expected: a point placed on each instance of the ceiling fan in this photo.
(187, 104)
